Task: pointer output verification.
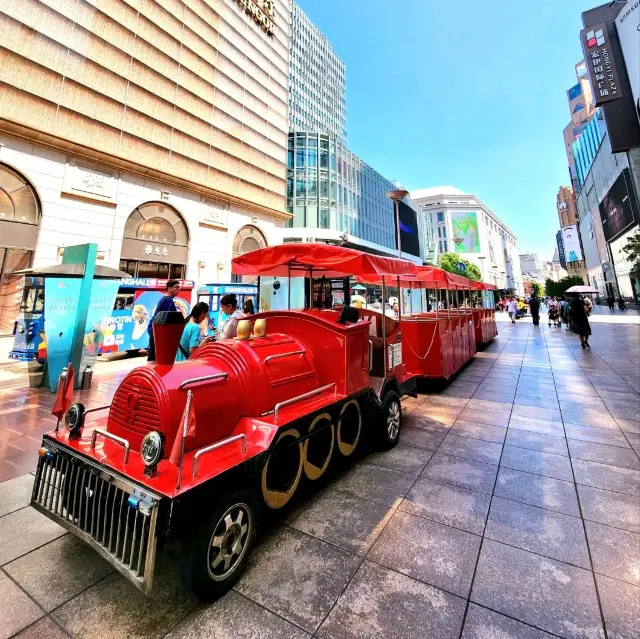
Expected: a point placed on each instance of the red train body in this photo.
(275, 404)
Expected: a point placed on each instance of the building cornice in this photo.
(81, 151)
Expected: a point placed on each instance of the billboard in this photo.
(618, 209)
(628, 27)
(464, 226)
(571, 241)
(561, 256)
(409, 236)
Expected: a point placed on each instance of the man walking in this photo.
(512, 309)
(534, 306)
(166, 303)
(611, 303)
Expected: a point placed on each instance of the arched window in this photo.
(155, 242)
(19, 220)
(18, 201)
(156, 222)
(248, 238)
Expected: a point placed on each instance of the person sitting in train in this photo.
(191, 334)
(229, 306)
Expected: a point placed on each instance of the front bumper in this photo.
(114, 516)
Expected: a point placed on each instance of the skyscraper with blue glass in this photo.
(331, 192)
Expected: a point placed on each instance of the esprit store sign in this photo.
(600, 64)
(263, 13)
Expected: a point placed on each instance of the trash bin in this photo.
(87, 376)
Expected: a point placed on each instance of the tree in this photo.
(556, 289)
(632, 249)
(449, 262)
(536, 289)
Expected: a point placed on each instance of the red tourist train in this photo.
(195, 450)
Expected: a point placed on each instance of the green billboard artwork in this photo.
(466, 238)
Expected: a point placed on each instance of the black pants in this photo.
(151, 351)
(536, 319)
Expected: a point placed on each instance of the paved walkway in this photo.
(511, 509)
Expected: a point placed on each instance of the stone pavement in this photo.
(510, 509)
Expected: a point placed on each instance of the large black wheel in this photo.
(390, 421)
(213, 559)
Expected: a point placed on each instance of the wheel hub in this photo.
(229, 541)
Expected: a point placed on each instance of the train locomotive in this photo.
(195, 450)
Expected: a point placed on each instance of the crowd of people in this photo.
(195, 332)
(572, 310)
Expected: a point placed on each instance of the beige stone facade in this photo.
(189, 92)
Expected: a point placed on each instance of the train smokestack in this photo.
(167, 331)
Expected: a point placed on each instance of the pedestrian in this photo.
(166, 303)
(512, 309)
(622, 305)
(191, 334)
(534, 307)
(229, 306)
(611, 303)
(580, 321)
(566, 312)
(247, 307)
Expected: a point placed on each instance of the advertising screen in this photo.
(618, 209)
(571, 243)
(561, 255)
(466, 238)
(409, 236)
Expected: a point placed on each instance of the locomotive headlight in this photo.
(74, 420)
(151, 451)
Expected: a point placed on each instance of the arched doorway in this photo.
(155, 243)
(19, 223)
(248, 238)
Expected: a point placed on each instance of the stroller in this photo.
(554, 317)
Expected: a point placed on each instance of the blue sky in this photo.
(468, 93)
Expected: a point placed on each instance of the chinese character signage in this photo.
(263, 12)
(600, 64)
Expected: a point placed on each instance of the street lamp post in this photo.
(396, 196)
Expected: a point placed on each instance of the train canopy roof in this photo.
(430, 277)
(301, 259)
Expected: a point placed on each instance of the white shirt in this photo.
(512, 307)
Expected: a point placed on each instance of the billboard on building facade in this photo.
(628, 27)
(571, 241)
(561, 255)
(409, 235)
(603, 73)
(465, 234)
(618, 209)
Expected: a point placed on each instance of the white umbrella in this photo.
(582, 289)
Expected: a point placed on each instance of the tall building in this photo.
(567, 216)
(332, 194)
(318, 88)
(158, 131)
(582, 108)
(535, 269)
(452, 221)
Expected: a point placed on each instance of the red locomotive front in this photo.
(193, 450)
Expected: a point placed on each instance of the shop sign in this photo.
(214, 214)
(133, 249)
(263, 13)
(90, 181)
(600, 64)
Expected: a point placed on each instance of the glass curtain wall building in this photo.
(328, 187)
(318, 89)
(585, 148)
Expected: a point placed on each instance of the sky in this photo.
(469, 94)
